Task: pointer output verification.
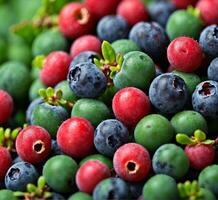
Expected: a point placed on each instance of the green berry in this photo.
(99, 157)
(161, 187)
(152, 131)
(124, 46)
(93, 110)
(208, 179)
(171, 160)
(34, 89)
(80, 196)
(206, 195)
(59, 172)
(137, 70)
(188, 122)
(7, 195)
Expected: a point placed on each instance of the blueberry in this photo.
(209, 40)
(17, 159)
(31, 107)
(135, 189)
(151, 38)
(86, 80)
(55, 150)
(112, 28)
(111, 188)
(205, 98)
(86, 56)
(212, 71)
(19, 175)
(57, 196)
(168, 93)
(109, 136)
(160, 11)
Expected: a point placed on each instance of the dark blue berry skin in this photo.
(55, 150)
(209, 41)
(212, 71)
(136, 189)
(205, 98)
(19, 175)
(168, 93)
(109, 136)
(111, 188)
(56, 196)
(151, 38)
(112, 28)
(86, 56)
(160, 11)
(31, 107)
(87, 80)
(17, 159)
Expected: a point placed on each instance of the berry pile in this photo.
(109, 99)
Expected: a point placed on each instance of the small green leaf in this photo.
(194, 187)
(18, 194)
(42, 93)
(184, 139)
(97, 62)
(47, 195)
(119, 59)
(1, 136)
(108, 52)
(200, 135)
(41, 182)
(208, 142)
(50, 92)
(187, 186)
(182, 191)
(193, 11)
(7, 133)
(59, 93)
(31, 188)
(15, 133)
(38, 61)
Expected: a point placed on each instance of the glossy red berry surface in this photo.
(55, 68)
(5, 161)
(127, 9)
(75, 20)
(130, 105)
(102, 8)
(90, 174)
(132, 162)
(33, 144)
(182, 4)
(200, 156)
(6, 106)
(185, 54)
(209, 11)
(75, 137)
(85, 43)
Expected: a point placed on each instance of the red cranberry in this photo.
(182, 4)
(100, 8)
(185, 54)
(55, 68)
(6, 106)
(209, 11)
(90, 174)
(5, 162)
(75, 20)
(33, 144)
(85, 43)
(130, 105)
(127, 9)
(132, 162)
(75, 137)
(200, 155)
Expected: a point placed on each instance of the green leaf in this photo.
(59, 93)
(50, 92)
(200, 135)
(97, 62)
(119, 59)
(31, 188)
(187, 186)
(182, 192)
(194, 187)
(47, 195)
(38, 61)
(1, 136)
(193, 11)
(184, 139)
(208, 142)
(108, 52)
(41, 182)
(42, 93)
(18, 194)
(15, 133)
(7, 133)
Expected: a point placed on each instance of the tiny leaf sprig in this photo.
(198, 138)
(111, 62)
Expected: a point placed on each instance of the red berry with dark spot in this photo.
(185, 54)
(55, 68)
(6, 106)
(182, 4)
(132, 162)
(75, 137)
(130, 105)
(90, 174)
(209, 11)
(75, 20)
(100, 8)
(200, 155)
(5, 162)
(33, 144)
(85, 43)
(127, 9)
